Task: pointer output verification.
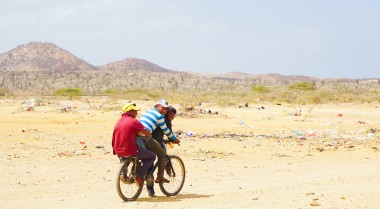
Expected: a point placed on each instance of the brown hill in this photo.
(44, 67)
(237, 75)
(132, 64)
(41, 56)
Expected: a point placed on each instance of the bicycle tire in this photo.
(176, 182)
(127, 188)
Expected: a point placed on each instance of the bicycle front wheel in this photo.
(175, 172)
(126, 185)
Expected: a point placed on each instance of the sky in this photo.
(318, 38)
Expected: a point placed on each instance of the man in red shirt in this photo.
(123, 139)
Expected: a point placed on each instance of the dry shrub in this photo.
(233, 97)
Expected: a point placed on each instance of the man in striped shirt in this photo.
(152, 119)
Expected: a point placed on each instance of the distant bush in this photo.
(254, 95)
(304, 86)
(260, 89)
(111, 92)
(3, 92)
(71, 92)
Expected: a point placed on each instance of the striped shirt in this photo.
(153, 118)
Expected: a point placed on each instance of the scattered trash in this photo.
(361, 122)
(30, 105)
(191, 111)
(340, 115)
(371, 135)
(65, 154)
(99, 146)
(320, 149)
(372, 130)
(299, 133)
(206, 111)
(67, 108)
(245, 105)
(190, 134)
(315, 204)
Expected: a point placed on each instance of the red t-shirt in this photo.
(123, 139)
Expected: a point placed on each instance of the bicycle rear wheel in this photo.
(126, 185)
(175, 172)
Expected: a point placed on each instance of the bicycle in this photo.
(129, 189)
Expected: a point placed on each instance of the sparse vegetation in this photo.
(70, 92)
(3, 92)
(304, 86)
(110, 92)
(235, 98)
(260, 89)
(184, 89)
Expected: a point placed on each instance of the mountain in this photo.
(41, 56)
(132, 64)
(44, 67)
(237, 75)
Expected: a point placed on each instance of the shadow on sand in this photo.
(176, 198)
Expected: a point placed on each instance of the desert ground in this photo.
(58, 155)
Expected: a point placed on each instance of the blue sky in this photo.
(320, 38)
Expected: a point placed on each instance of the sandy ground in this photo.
(240, 158)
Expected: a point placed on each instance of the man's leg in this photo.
(148, 158)
(150, 183)
(140, 141)
(154, 146)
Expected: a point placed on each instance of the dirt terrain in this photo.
(58, 155)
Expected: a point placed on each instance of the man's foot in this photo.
(161, 180)
(150, 190)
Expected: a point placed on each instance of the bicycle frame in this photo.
(155, 166)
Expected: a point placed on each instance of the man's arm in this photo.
(144, 132)
(165, 129)
(141, 129)
(169, 125)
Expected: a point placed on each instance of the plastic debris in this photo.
(190, 134)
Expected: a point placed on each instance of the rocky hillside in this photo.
(44, 67)
(40, 56)
(271, 78)
(132, 64)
